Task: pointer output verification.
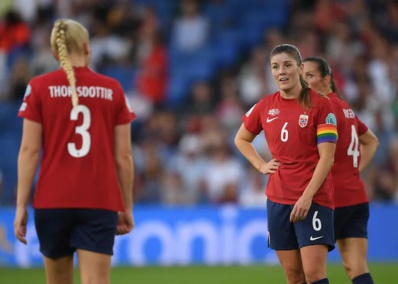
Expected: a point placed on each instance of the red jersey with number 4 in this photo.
(78, 168)
(293, 134)
(348, 186)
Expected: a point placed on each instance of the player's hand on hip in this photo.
(270, 167)
(20, 221)
(300, 209)
(125, 223)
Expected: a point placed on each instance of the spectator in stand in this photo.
(151, 78)
(191, 29)
(14, 33)
(223, 172)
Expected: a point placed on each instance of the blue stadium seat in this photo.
(178, 90)
(125, 75)
(10, 123)
(226, 48)
(9, 148)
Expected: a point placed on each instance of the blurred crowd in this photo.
(191, 69)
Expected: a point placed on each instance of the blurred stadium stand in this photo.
(215, 68)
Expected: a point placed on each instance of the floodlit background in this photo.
(191, 69)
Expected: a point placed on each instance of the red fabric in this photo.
(88, 181)
(152, 76)
(13, 36)
(348, 186)
(298, 153)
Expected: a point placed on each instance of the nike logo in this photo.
(271, 119)
(315, 238)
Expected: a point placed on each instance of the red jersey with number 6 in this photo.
(348, 186)
(78, 167)
(293, 134)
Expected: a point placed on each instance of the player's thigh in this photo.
(59, 270)
(281, 232)
(353, 252)
(314, 259)
(95, 268)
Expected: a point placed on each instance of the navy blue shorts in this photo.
(351, 221)
(62, 231)
(315, 229)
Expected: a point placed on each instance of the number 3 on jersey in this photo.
(81, 130)
(353, 148)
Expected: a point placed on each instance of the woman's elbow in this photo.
(124, 160)
(28, 150)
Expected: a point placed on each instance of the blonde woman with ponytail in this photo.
(80, 121)
(301, 132)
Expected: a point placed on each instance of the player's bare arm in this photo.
(369, 144)
(125, 171)
(325, 163)
(243, 141)
(28, 160)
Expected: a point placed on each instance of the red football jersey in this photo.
(348, 186)
(78, 167)
(293, 134)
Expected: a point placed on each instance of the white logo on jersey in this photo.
(128, 105)
(273, 111)
(250, 111)
(349, 113)
(23, 106)
(27, 92)
(271, 119)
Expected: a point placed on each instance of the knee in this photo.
(348, 267)
(313, 275)
(295, 276)
(354, 269)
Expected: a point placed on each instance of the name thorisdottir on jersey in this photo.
(82, 91)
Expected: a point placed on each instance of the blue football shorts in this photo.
(351, 221)
(316, 229)
(62, 231)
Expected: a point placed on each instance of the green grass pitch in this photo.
(382, 274)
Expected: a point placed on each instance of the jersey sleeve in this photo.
(125, 113)
(31, 105)
(326, 123)
(252, 119)
(362, 128)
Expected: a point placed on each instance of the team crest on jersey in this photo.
(250, 111)
(303, 120)
(331, 119)
(273, 111)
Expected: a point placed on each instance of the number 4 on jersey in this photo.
(353, 148)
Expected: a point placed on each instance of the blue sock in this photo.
(322, 281)
(363, 279)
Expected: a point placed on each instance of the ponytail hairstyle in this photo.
(325, 70)
(67, 37)
(304, 97)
